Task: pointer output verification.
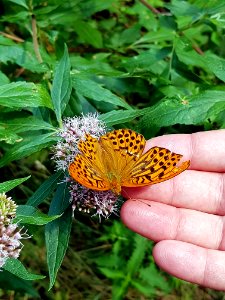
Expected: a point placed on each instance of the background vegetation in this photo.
(155, 66)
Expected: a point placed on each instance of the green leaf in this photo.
(161, 35)
(45, 189)
(154, 278)
(26, 124)
(3, 79)
(95, 65)
(187, 55)
(216, 64)
(28, 146)
(90, 89)
(26, 214)
(5, 42)
(11, 184)
(17, 17)
(20, 2)
(183, 8)
(112, 273)
(148, 61)
(61, 87)
(143, 288)
(23, 54)
(88, 33)
(138, 254)
(57, 232)
(90, 7)
(116, 117)
(214, 7)
(130, 35)
(24, 94)
(8, 281)
(15, 267)
(189, 110)
(8, 136)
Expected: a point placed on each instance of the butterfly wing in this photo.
(116, 160)
(155, 166)
(122, 148)
(87, 167)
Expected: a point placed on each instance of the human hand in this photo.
(186, 214)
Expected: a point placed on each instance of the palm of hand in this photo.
(186, 216)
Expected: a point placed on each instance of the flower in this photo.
(10, 234)
(74, 129)
(101, 203)
(10, 245)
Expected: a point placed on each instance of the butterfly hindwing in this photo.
(87, 167)
(123, 148)
(127, 141)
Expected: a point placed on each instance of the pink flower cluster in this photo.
(10, 234)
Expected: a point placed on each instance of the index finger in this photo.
(206, 150)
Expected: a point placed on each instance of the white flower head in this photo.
(74, 129)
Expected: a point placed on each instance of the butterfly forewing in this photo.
(156, 165)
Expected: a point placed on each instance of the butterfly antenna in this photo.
(140, 201)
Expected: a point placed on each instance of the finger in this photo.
(206, 150)
(203, 191)
(163, 222)
(192, 263)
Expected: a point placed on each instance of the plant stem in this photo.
(35, 39)
(12, 37)
(153, 9)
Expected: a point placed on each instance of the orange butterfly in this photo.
(116, 159)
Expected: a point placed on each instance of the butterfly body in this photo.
(116, 159)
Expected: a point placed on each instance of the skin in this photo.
(185, 215)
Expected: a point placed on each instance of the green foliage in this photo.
(23, 95)
(28, 146)
(90, 89)
(61, 86)
(132, 268)
(9, 185)
(156, 71)
(8, 281)
(15, 267)
(57, 232)
(45, 190)
(26, 214)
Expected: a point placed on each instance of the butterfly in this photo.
(116, 160)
